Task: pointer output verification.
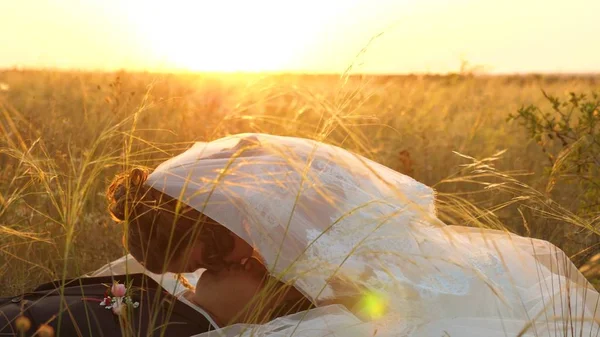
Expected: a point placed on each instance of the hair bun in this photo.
(117, 210)
(120, 192)
(125, 191)
(138, 177)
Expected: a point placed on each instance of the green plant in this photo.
(569, 136)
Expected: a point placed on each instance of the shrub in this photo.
(569, 135)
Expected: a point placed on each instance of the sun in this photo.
(220, 36)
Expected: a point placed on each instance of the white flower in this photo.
(117, 309)
(117, 305)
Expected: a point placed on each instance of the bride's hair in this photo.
(160, 228)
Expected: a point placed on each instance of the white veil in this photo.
(337, 224)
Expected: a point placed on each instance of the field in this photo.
(64, 135)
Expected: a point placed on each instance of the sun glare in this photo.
(221, 36)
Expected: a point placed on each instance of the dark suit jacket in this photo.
(74, 310)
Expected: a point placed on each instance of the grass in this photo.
(64, 135)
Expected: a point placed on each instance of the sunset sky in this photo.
(506, 36)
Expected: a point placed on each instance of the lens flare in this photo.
(374, 305)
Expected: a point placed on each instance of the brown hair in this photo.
(160, 228)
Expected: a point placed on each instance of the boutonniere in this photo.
(117, 297)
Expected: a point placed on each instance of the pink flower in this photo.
(118, 290)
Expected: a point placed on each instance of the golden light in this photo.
(374, 305)
(222, 36)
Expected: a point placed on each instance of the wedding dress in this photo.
(339, 225)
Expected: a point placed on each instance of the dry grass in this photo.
(63, 135)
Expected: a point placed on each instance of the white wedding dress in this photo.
(337, 224)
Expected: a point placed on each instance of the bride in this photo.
(337, 226)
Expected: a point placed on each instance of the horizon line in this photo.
(295, 72)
